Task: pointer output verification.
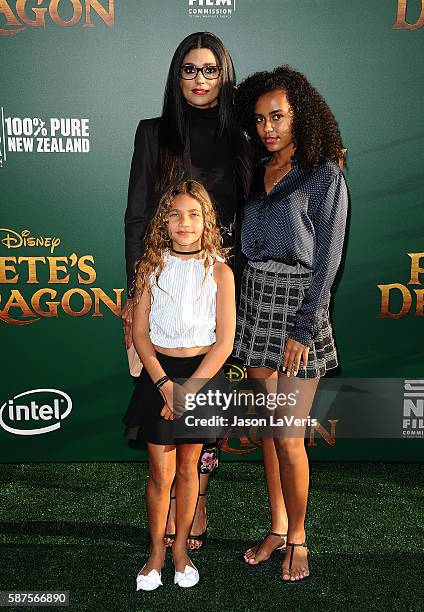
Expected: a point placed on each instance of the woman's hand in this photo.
(180, 392)
(127, 320)
(294, 353)
(167, 391)
(175, 400)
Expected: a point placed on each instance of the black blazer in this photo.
(142, 197)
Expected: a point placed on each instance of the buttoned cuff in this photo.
(302, 335)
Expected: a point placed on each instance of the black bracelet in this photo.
(159, 383)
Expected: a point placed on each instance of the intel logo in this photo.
(35, 412)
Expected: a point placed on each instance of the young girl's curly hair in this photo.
(315, 131)
(157, 240)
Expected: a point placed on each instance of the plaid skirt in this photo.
(269, 302)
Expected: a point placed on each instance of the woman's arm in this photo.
(225, 329)
(139, 208)
(330, 222)
(141, 338)
(147, 353)
(141, 202)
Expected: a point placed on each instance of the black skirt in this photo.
(142, 418)
(268, 306)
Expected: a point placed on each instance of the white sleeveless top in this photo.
(183, 311)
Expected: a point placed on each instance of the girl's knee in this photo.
(160, 478)
(187, 470)
(290, 449)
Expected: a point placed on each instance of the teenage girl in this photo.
(292, 234)
(184, 326)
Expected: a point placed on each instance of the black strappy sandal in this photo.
(281, 548)
(203, 536)
(170, 536)
(291, 562)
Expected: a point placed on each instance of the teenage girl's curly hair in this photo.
(157, 239)
(316, 135)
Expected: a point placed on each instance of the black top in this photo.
(301, 220)
(211, 164)
(211, 161)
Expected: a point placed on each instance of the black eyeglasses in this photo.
(189, 72)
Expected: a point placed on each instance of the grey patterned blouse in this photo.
(300, 221)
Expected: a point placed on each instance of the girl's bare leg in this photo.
(263, 550)
(170, 522)
(294, 470)
(200, 518)
(187, 491)
(161, 474)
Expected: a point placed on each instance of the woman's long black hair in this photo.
(173, 131)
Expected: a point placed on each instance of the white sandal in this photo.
(188, 578)
(150, 582)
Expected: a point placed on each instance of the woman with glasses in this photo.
(196, 137)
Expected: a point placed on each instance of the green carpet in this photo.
(82, 528)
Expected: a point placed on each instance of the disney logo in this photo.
(14, 240)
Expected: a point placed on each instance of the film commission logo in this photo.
(25, 304)
(211, 8)
(34, 135)
(225, 8)
(35, 412)
(413, 409)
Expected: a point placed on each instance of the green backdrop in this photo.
(112, 74)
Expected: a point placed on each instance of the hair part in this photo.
(316, 134)
(173, 130)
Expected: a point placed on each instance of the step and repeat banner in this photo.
(76, 77)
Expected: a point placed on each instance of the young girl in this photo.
(197, 137)
(184, 326)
